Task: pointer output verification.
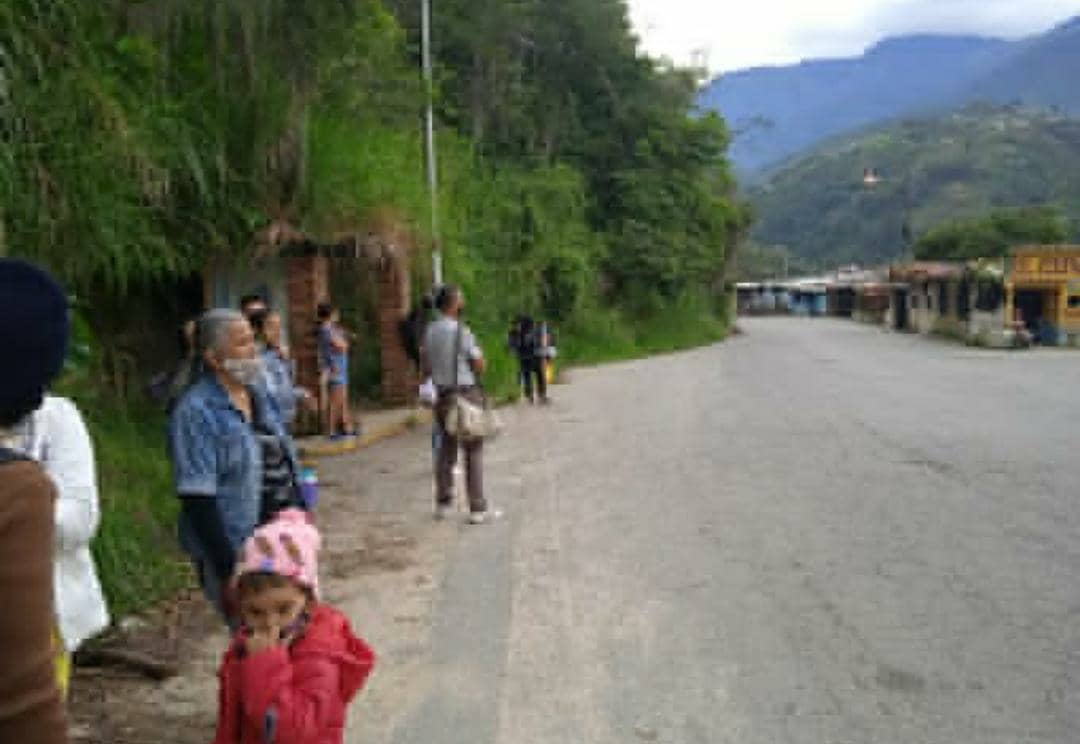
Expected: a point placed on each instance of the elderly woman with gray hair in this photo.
(234, 465)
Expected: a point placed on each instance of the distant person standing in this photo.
(454, 361)
(33, 332)
(277, 365)
(548, 352)
(527, 345)
(414, 330)
(253, 304)
(334, 362)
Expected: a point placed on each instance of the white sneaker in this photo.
(442, 511)
(484, 517)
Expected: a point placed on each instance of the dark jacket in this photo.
(30, 707)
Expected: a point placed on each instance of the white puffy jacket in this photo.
(56, 436)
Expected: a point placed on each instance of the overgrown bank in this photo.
(576, 183)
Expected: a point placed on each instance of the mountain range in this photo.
(825, 209)
(778, 112)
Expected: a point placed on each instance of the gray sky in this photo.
(748, 33)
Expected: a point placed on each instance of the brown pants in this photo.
(448, 455)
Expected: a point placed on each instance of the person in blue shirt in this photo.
(277, 365)
(233, 463)
(334, 363)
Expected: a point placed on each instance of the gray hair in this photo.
(211, 334)
(212, 329)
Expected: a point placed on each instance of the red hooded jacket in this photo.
(295, 694)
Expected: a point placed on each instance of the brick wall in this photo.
(399, 380)
(308, 285)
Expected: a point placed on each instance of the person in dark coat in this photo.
(526, 343)
(34, 333)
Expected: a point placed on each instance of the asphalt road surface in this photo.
(816, 532)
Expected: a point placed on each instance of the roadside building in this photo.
(857, 293)
(808, 297)
(987, 326)
(961, 301)
(926, 298)
(778, 297)
(871, 302)
(1042, 292)
(367, 271)
(840, 299)
(747, 297)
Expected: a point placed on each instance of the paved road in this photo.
(818, 532)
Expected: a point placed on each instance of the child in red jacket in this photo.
(292, 670)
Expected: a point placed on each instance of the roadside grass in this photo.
(609, 336)
(136, 550)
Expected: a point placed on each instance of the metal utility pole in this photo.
(429, 143)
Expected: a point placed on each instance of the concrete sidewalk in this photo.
(375, 426)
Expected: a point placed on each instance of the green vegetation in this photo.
(138, 504)
(761, 262)
(933, 172)
(993, 236)
(133, 549)
(140, 139)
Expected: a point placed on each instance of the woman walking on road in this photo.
(234, 465)
(454, 361)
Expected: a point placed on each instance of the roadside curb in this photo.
(314, 450)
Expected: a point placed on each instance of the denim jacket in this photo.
(215, 452)
(279, 383)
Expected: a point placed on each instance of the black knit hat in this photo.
(33, 332)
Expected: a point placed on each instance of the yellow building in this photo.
(1042, 291)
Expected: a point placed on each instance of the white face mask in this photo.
(246, 372)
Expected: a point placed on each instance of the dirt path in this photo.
(382, 565)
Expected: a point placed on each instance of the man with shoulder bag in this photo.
(454, 361)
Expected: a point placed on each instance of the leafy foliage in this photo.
(187, 126)
(993, 236)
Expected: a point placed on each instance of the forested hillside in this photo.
(932, 171)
